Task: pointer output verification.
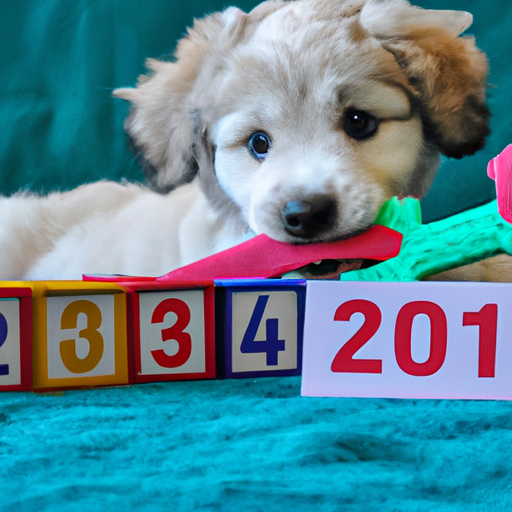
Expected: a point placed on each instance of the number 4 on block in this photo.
(408, 340)
(260, 327)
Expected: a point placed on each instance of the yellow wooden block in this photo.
(79, 334)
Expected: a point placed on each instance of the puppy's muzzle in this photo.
(309, 218)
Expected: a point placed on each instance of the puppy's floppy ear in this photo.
(159, 129)
(165, 120)
(161, 124)
(446, 73)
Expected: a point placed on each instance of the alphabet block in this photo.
(172, 330)
(260, 325)
(80, 337)
(15, 338)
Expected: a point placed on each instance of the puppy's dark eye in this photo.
(258, 145)
(359, 124)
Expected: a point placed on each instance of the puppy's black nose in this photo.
(307, 219)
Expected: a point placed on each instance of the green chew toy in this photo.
(428, 249)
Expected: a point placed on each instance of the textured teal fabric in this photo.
(250, 445)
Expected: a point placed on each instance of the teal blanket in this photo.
(249, 445)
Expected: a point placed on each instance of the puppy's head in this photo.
(304, 117)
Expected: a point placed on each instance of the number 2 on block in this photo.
(4, 368)
(271, 345)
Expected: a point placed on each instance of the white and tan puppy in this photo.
(297, 120)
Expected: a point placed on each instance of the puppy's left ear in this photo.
(446, 72)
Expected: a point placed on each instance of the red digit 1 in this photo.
(175, 332)
(487, 321)
(344, 361)
(438, 338)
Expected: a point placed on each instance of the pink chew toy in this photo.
(500, 170)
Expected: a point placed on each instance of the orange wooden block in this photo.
(79, 335)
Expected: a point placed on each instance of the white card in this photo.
(408, 340)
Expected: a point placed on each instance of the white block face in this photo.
(264, 331)
(172, 332)
(408, 340)
(10, 350)
(80, 336)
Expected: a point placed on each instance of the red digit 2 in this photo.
(344, 361)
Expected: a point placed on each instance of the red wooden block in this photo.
(171, 330)
(15, 339)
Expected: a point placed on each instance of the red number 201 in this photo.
(486, 319)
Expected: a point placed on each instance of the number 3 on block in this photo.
(68, 348)
(175, 332)
(80, 332)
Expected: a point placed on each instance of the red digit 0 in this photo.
(344, 361)
(175, 332)
(438, 338)
(487, 321)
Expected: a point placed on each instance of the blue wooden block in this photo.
(259, 327)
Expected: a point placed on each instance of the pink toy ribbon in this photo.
(263, 257)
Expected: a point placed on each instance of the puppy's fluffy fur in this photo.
(297, 120)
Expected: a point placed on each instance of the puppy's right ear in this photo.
(165, 120)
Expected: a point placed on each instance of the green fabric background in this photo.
(60, 60)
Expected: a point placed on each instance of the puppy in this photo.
(297, 120)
